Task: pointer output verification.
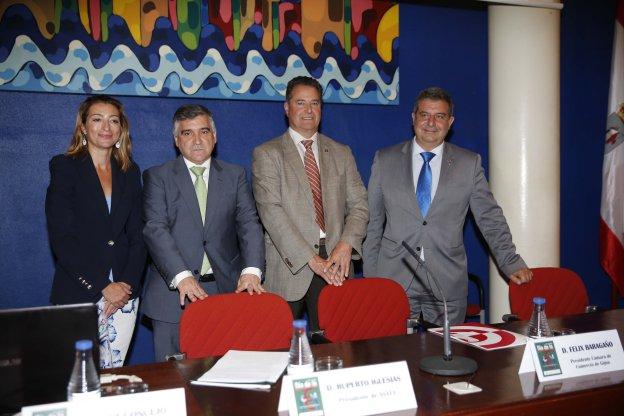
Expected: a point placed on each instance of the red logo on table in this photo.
(483, 336)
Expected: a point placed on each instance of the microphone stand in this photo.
(445, 364)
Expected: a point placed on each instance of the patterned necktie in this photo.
(314, 177)
(423, 189)
(202, 194)
(200, 189)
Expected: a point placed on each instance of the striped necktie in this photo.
(314, 177)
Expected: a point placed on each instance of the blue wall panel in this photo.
(586, 43)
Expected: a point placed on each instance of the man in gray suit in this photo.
(311, 201)
(419, 192)
(201, 228)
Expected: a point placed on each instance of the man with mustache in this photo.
(419, 192)
(201, 228)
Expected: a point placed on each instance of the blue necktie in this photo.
(423, 189)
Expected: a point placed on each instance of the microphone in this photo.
(446, 364)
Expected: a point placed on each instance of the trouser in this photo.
(309, 302)
(432, 310)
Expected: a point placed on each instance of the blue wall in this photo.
(440, 45)
(586, 40)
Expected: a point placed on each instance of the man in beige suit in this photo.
(311, 201)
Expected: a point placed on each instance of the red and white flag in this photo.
(612, 203)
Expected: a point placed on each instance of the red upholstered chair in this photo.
(365, 308)
(563, 290)
(235, 321)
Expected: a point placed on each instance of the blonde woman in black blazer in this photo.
(93, 208)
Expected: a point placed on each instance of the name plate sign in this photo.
(573, 355)
(169, 402)
(356, 391)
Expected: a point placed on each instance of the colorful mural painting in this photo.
(231, 49)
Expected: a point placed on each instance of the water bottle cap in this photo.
(300, 323)
(84, 344)
(539, 301)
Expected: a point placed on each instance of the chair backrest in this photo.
(365, 308)
(476, 310)
(235, 321)
(563, 290)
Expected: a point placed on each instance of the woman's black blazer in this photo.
(86, 240)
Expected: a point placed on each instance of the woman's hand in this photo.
(109, 309)
(117, 294)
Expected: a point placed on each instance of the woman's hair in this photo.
(121, 155)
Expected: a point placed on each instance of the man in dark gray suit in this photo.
(420, 192)
(201, 228)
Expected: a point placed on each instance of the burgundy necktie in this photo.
(314, 177)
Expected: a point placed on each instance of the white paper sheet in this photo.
(243, 386)
(246, 367)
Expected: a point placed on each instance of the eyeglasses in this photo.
(423, 115)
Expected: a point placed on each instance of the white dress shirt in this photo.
(187, 273)
(297, 138)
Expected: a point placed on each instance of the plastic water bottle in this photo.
(84, 381)
(300, 359)
(538, 325)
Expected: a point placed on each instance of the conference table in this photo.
(504, 391)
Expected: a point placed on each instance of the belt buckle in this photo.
(209, 277)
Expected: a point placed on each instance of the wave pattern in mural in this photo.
(235, 49)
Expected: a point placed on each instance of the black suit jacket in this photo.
(86, 240)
